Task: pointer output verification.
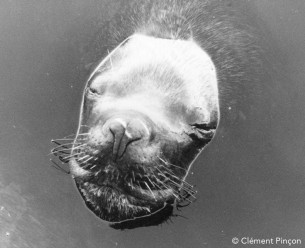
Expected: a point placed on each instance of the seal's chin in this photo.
(114, 205)
(117, 197)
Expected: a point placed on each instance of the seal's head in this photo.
(148, 109)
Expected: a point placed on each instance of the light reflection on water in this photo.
(246, 187)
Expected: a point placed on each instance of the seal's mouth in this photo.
(143, 187)
(134, 194)
(110, 203)
(117, 196)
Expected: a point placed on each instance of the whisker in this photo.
(163, 183)
(73, 155)
(86, 160)
(54, 150)
(63, 160)
(63, 145)
(55, 153)
(187, 184)
(70, 135)
(73, 140)
(161, 190)
(179, 179)
(175, 193)
(155, 184)
(150, 190)
(60, 149)
(180, 186)
(84, 157)
(133, 176)
(58, 167)
(149, 180)
(76, 147)
(74, 134)
(80, 134)
(183, 183)
(173, 182)
(189, 193)
(169, 171)
(62, 139)
(167, 163)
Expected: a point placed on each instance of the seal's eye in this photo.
(202, 131)
(92, 91)
(204, 126)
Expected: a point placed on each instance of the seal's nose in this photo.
(125, 132)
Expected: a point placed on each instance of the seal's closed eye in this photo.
(93, 91)
(204, 126)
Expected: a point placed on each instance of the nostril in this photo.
(118, 131)
(126, 140)
(116, 128)
(124, 133)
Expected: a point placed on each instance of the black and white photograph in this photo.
(152, 123)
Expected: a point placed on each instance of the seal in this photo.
(149, 108)
(153, 102)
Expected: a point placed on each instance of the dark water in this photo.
(247, 188)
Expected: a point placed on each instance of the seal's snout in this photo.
(126, 131)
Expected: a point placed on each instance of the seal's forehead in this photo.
(176, 65)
